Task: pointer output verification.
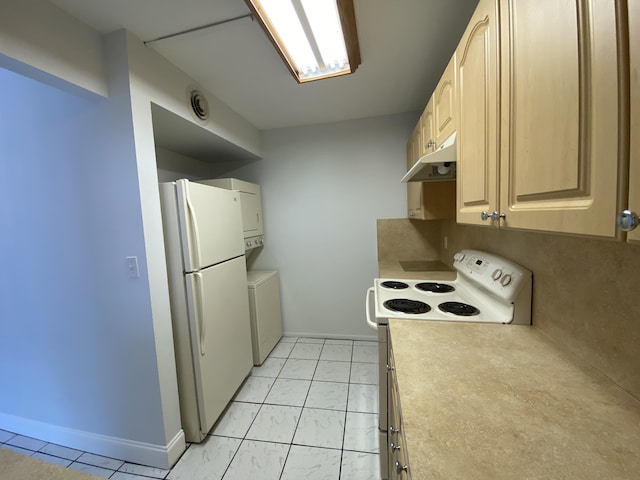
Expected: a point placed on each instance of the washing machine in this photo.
(266, 314)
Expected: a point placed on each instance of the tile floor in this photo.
(308, 412)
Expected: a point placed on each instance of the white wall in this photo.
(160, 82)
(152, 79)
(43, 42)
(172, 166)
(323, 187)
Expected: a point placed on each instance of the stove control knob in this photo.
(497, 273)
(506, 280)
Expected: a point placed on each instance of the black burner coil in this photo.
(404, 305)
(459, 308)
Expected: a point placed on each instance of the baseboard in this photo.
(159, 456)
(366, 338)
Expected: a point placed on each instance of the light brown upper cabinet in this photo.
(540, 146)
(433, 200)
(634, 56)
(560, 153)
(444, 104)
(414, 190)
(476, 69)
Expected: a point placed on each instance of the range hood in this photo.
(436, 166)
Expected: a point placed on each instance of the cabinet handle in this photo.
(393, 431)
(400, 468)
(393, 447)
(495, 216)
(390, 368)
(431, 144)
(627, 220)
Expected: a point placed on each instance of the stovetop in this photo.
(488, 289)
(488, 311)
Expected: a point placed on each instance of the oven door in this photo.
(383, 361)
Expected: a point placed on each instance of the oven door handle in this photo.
(373, 325)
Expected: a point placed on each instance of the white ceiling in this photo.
(405, 45)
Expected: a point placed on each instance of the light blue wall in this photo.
(323, 187)
(86, 353)
(76, 334)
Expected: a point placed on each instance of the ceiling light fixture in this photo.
(315, 38)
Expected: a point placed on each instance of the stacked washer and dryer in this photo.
(263, 286)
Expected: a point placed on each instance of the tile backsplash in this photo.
(585, 290)
(403, 239)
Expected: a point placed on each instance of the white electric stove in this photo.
(487, 289)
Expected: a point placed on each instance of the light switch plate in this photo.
(132, 267)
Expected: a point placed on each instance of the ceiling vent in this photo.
(199, 105)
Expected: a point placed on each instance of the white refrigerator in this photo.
(209, 302)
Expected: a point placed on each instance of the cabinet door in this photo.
(414, 189)
(559, 157)
(634, 55)
(432, 200)
(428, 129)
(444, 103)
(477, 113)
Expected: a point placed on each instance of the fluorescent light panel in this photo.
(308, 35)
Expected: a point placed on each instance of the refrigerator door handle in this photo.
(202, 325)
(196, 233)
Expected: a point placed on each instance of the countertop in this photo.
(503, 402)
(415, 269)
